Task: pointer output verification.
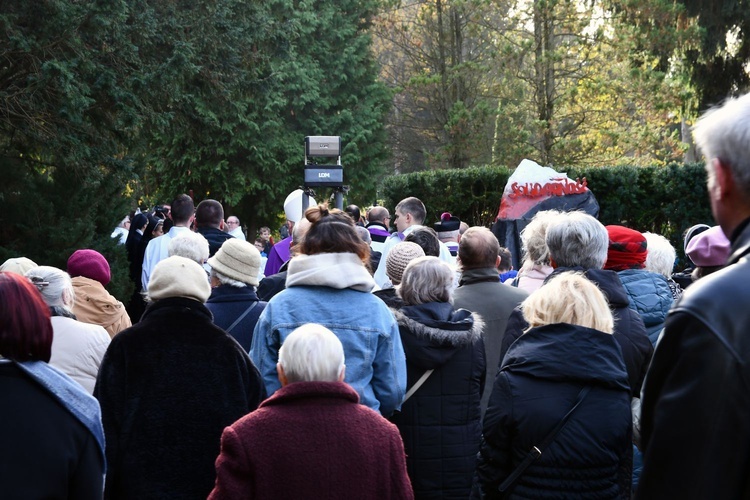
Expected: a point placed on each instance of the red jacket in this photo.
(312, 440)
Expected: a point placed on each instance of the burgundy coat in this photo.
(312, 440)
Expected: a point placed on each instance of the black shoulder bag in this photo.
(536, 451)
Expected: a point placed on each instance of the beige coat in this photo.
(78, 349)
(94, 304)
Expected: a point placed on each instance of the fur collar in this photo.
(459, 328)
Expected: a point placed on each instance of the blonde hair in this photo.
(569, 298)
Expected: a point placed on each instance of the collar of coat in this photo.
(439, 322)
(312, 390)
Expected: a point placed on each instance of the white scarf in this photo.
(334, 270)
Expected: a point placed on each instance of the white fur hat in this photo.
(293, 205)
(237, 259)
(179, 277)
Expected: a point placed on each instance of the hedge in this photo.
(665, 200)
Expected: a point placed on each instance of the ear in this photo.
(552, 262)
(342, 374)
(723, 184)
(282, 376)
(498, 261)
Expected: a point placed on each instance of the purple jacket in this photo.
(280, 253)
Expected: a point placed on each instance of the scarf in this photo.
(334, 270)
(72, 396)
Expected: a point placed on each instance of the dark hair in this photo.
(354, 213)
(413, 206)
(182, 209)
(506, 259)
(425, 237)
(332, 231)
(209, 213)
(25, 326)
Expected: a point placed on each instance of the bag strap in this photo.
(536, 451)
(417, 385)
(242, 316)
(515, 281)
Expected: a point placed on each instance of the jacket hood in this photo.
(334, 270)
(649, 294)
(607, 281)
(432, 333)
(568, 353)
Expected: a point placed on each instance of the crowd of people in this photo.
(349, 361)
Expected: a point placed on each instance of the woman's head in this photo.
(426, 279)
(25, 326)
(332, 231)
(54, 285)
(568, 298)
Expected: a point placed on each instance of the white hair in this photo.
(577, 239)
(724, 133)
(54, 284)
(226, 280)
(533, 238)
(193, 246)
(310, 353)
(426, 279)
(661, 255)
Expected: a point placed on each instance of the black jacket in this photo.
(46, 452)
(216, 238)
(440, 423)
(538, 383)
(227, 303)
(167, 387)
(630, 331)
(695, 420)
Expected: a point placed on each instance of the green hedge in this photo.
(661, 199)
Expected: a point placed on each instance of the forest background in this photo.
(109, 105)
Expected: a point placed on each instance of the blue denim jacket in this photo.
(374, 356)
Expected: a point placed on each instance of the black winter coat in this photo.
(441, 422)
(538, 383)
(227, 303)
(167, 387)
(630, 332)
(215, 237)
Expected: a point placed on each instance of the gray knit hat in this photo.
(179, 277)
(399, 256)
(237, 259)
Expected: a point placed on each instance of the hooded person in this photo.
(649, 293)
(90, 273)
(281, 251)
(168, 387)
(233, 301)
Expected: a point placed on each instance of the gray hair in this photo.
(533, 238)
(364, 234)
(724, 133)
(661, 255)
(577, 239)
(190, 245)
(310, 353)
(426, 279)
(54, 284)
(448, 235)
(226, 280)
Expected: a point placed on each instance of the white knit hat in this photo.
(237, 259)
(293, 205)
(179, 277)
(398, 258)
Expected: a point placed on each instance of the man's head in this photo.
(478, 249)
(723, 135)
(232, 223)
(354, 213)
(379, 215)
(311, 353)
(209, 213)
(183, 210)
(577, 239)
(448, 228)
(506, 260)
(425, 237)
(409, 212)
